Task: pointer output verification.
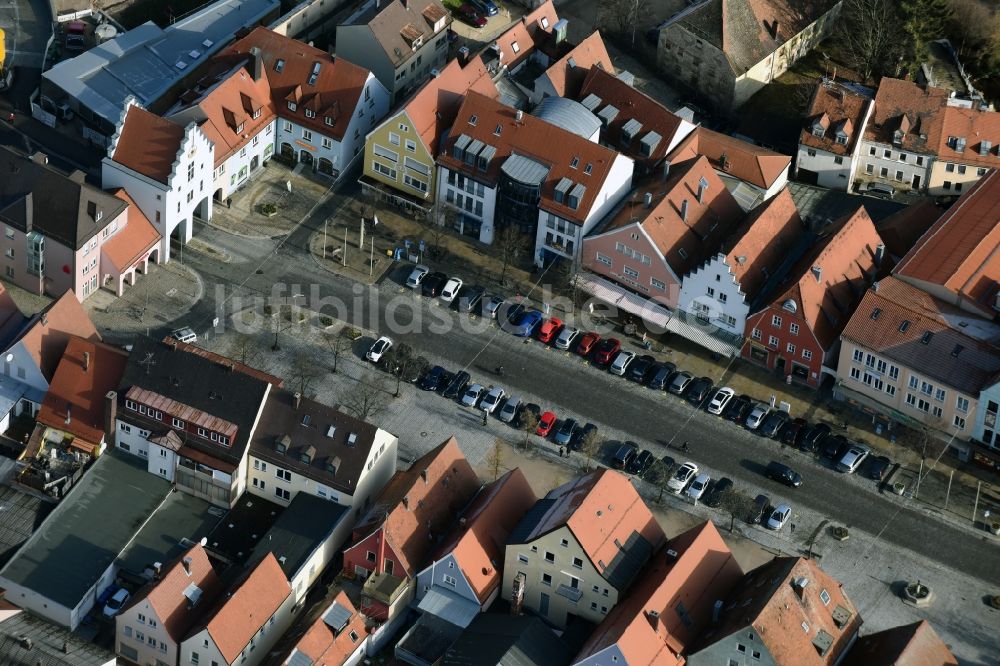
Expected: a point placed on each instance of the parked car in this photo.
(587, 344)
(522, 415)
(680, 383)
(851, 459)
(116, 603)
(781, 473)
(457, 385)
(661, 374)
(757, 416)
(779, 517)
(486, 7)
(451, 289)
(758, 509)
(491, 306)
(738, 409)
(834, 446)
(492, 399)
(606, 350)
(698, 486)
(642, 462)
(877, 467)
(468, 14)
(794, 431)
(549, 329)
(185, 335)
(638, 370)
(378, 349)
(564, 433)
(576, 443)
(469, 297)
(417, 276)
(435, 378)
(668, 462)
(720, 400)
(620, 364)
(545, 424)
(772, 425)
(814, 437)
(472, 395)
(718, 491)
(624, 455)
(880, 190)
(699, 390)
(566, 337)
(432, 284)
(682, 477)
(508, 413)
(525, 324)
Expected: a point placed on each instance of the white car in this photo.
(698, 486)
(566, 337)
(472, 395)
(621, 362)
(116, 603)
(509, 411)
(720, 400)
(757, 416)
(185, 335)
(451, 289)
(417, 276)
(378, 350)
(492, 399)
(852, 458)
(681, 477)
(779, 517)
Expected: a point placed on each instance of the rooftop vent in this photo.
(352, 439)
(315, 74)
(181, 65)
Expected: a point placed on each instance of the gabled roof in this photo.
(148, 144)
(225, 361)
(782, 601)
(913, 109)
(49, 332)
(329, 639)
(959, 252)
(76, 396)
(301, 529)
(568, 72)
(839, 112)
(477, 542)
(602, 89)
(37, 197)
(759, 246)
(684, 243)
(694, 570)
(246, 608)
(187, 587)
(550, 147)
(909, 326)
(138, 237)
(901, 230)
(530, 33)
(739, 159)
(608, 518)
(970, 136)
(914, 644)
(823, 289)
(521, 640)
(420, 503)
(396, 24)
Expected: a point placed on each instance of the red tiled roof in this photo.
(477, 543)
(81, 392)
(901, 230)
(333, 645)
(167, 598)
(533, 138)
(148, 144)
(569, 71)
(914, 644)
(959, 252)
(46, 339)
(421, 503)
(740, 159)
(127, 246)
(225, 361)
(845, 260)
(700, 571)
(529, 33)
(915, 109)
(836, 109)
(979, 129)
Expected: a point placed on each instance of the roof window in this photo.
(473, 119)
(926, 338)
(904, 325)
(279, 65)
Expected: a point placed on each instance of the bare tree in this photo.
(246, 350)
(511, 244)
(400, 361)
(735, 502)
(659, 476)
(304, 372)
(590, 446)
(618, 16)
(870, 33)
(338, 344)
(368, 398)
(529, 424)
(496, 457)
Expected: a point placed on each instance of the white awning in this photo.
(699, 336)
(448, 606)
(622, 298)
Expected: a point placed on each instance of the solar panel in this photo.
(336, 616)
(298, 658)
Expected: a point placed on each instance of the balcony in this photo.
(571, 593)
(384, 588)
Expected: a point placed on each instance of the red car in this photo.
(587, 343)
(468, 14)
(545, 424)
(549, 329)
(606, 350)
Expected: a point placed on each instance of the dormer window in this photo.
(279, 65)
(256, 114)
(842, 139)
(818, 131)
(239, 128)
(310, 114)
(328, 120)
(292, 106)
(515, 47)
(473, 119)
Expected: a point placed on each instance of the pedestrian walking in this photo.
(793, 527)
(484, 417)
(561, 451)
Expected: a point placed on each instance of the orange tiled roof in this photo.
(914, 644)
(148, 144)
(568, 73)
(477, 543)
(167, 597)
(836, 109)
(529, 33)
(979, 129)
(47, 337)
(325, 644)
(694, 569)
(845, 260)
(421, 503)
(81, 392)
(138, 237)
(740, 159)
(914, 109)
(959, 252)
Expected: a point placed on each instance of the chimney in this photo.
(717, 611)
(648, 199)
(818, 272)
(463, 56)
(653, 617)
(40, 158)
(297, 400)
(666, 169)
(157, 569)
(684, 210)
(518, 115)
(110, 415)
(799, 585)
(879, 254)
(45, 319)
(256, 64)
(406, 502)
(462, 521)
(86, 358)
(69, 416)
(187, 565)
(702, 186)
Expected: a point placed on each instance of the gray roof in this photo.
(37, 197)
(78, 541)
(819, 207)
(526, 527)
(143, 62)
(181, 516)
(429, 638)
(628, 561)
(509, 640)
(47, 642)
(524, 169)
(20, 515)
(569, 115)
(386, 20)
(301, 527)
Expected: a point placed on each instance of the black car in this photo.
(435, 378)
(833, 446)
(581, 434)
(738, 408)
(668, 462)
(660, 375)
(624, 455)
(758, 510)
(530, 408)
(773, 423)
(814, 437)
(457, 385)
(877, 466)
(638, 369)
(642, 462)
(699, 390)
(783, 474)
(433, 284)
(719, 489)
(793, 432)
(469, 297)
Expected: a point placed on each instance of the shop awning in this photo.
(623, 299)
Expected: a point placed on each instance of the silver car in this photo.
(492, 399)
(566, 337)
(510, 408)
(417, 276)
(779, 517)
(757, 416)
(472, 395)
(852, 458)
(681, 477)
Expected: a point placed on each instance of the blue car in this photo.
(524, 324)
(487, 7)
